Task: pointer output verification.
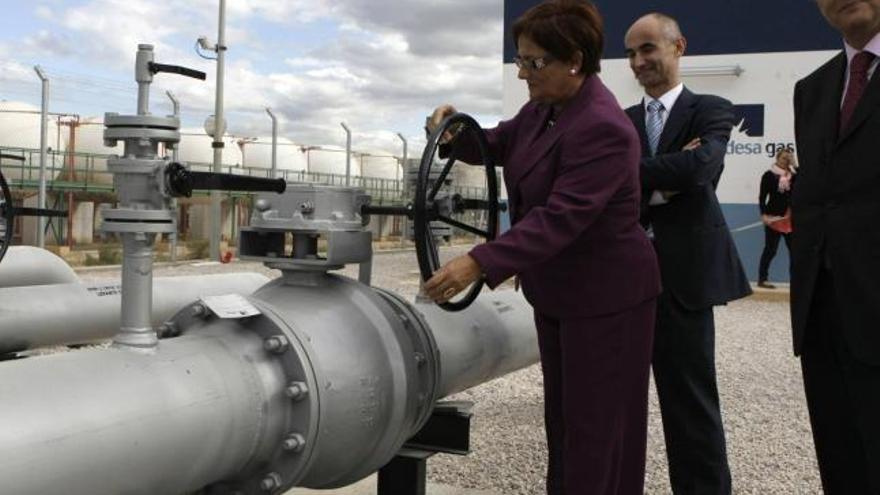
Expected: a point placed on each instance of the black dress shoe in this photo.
(766, 285)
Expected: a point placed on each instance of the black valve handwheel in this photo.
(430, 206)
(7, 215)
(8, 212)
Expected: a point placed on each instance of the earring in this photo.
(573, 71)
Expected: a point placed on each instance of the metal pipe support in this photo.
(136, 328)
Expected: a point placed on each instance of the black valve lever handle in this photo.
(182, 182)
(38, 212)
(176, 69)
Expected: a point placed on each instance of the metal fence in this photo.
(87, 172)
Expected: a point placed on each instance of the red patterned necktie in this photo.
(858, 81)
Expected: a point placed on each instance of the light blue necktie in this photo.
(654, 124)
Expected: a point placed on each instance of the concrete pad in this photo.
(782, 293)
(367, 486)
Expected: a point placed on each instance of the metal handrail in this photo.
(85, 175)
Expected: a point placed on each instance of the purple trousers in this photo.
(596, 400)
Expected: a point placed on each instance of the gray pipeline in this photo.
(28, 265)
(319, 390)
(73, 313)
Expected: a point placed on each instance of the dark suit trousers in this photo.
(684, 372)
(843, 396)
(596, 400)
(771, 245)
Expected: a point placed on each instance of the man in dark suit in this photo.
(835, 276)
(684, 138)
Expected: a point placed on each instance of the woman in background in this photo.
(774, 201)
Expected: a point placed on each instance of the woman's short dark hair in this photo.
(563, 28)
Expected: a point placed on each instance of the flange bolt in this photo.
(199, 310)
(276, 344)
(294, 443)
(296, 390)
(420, 359)
(271, 482)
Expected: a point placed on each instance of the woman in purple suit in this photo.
(571, 167)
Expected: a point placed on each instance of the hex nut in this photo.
(272, 481)
(168, 329)
(276, 344)
(420, 359)
(294, 443)
(296, 390)
(262, 205)
(199, 310)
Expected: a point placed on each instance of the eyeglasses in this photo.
(532, 63)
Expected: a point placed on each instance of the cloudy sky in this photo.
(380, 66)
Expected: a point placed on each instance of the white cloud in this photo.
(45, 42)
(43, 12)
(303, 62)
(13, 71)
(381, 71)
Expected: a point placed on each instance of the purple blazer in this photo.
(574, 194)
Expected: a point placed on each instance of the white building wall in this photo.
(768, 79)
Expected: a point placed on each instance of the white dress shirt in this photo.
(668, 100)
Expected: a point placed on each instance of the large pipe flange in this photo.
(355, 375)
(140, 127)
(427, 354)
(290, 427)
(132, 221)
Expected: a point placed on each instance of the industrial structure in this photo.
(78, 181)
(313, 380)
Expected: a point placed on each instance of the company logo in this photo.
(748, 138)
(749, 119)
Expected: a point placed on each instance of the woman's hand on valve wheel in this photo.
(452, 278)
(436, 118)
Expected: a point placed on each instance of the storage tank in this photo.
(380, 164)
(331, 160)
(20, 128)
(90, 154)
(196, 151)
(258, 154)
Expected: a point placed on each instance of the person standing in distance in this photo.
(684, 139)
(571, 162)
(774, 202)
(835, 279)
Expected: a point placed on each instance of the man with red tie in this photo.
(835, 288)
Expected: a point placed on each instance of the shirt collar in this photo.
(668, 99)
(873, 46)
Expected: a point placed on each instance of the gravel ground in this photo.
(768, 433)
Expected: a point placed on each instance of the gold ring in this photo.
(449, 292)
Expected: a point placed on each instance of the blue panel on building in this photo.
(749, 239)
(712, 27)
(748, 235)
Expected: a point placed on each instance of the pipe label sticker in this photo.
(105, 290)
(230, 306)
